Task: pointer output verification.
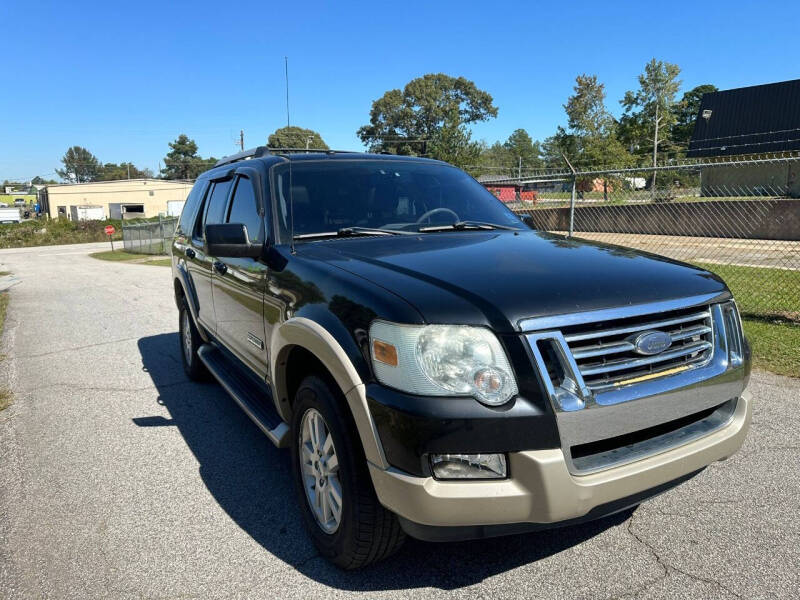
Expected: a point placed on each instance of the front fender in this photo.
(310, 335)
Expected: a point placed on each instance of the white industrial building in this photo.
(122, 199)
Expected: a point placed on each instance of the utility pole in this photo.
(519, 169)
(308, 141)
(129, 171)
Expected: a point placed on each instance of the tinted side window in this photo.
(244, 209)
(217, 202)
(190, 207)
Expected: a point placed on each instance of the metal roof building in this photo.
(750, 120)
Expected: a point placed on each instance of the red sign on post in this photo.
(109, 232)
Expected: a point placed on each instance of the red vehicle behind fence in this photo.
(510, 193)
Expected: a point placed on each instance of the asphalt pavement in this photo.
(119, 478)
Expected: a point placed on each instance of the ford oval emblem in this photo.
(651, 342)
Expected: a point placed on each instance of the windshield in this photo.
(330, 195)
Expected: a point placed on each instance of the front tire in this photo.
(341, 512)
(190, 342)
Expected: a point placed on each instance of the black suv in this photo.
(436, 367)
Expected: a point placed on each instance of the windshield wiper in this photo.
(463, 225)
(352, 231)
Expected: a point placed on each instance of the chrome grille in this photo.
(606, 355)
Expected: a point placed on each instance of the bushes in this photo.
(56, 231)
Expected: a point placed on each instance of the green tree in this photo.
(80, 165)
(557, 146)
(296, 137)
(523, 150)
(453, 144)
(594, 129)
(650, 109)
(586, 108)
(429, 116)
(183, 162)
(506, 158)
(125, 170)
(495, 159)
(686, 112)
(41, 181)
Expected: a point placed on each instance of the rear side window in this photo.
(244, 209)
(190, 207)
(217, 202)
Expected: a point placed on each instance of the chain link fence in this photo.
(739, 219)
(150, 237)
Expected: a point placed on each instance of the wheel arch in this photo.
(179, 291)
(183, 288)
(299, 338)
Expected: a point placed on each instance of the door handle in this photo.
(190, 253)
(221, 267)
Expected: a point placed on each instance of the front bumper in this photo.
(541, 488)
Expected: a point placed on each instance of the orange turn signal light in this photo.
(385, 353)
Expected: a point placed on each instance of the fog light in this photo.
(469, 466)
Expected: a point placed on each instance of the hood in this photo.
(499, 278)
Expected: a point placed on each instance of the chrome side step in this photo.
(241, 390)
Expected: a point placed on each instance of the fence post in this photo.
(572, 196)
(572, 207)
(161, 232)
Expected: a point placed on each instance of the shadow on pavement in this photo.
(250, 480)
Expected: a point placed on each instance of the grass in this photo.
(51, 232)
(5, 395)
(775, 344)
(116, 255)
(160, 262)
(122, 256)
(761, 291)
(768, 300)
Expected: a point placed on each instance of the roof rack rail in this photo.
(265, 151)
(251, 153)
(309, 151)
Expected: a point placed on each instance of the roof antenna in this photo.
(291, 211)
(286, 77)
(291, 195)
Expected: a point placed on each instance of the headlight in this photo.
(442, 360)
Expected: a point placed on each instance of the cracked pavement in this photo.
(121, 479)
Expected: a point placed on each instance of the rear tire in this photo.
(365, 532)
(190, 342)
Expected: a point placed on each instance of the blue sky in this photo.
(124, 80)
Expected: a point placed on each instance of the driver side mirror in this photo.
(231, 240)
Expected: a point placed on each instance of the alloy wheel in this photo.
(319, 466)
(186, 326)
